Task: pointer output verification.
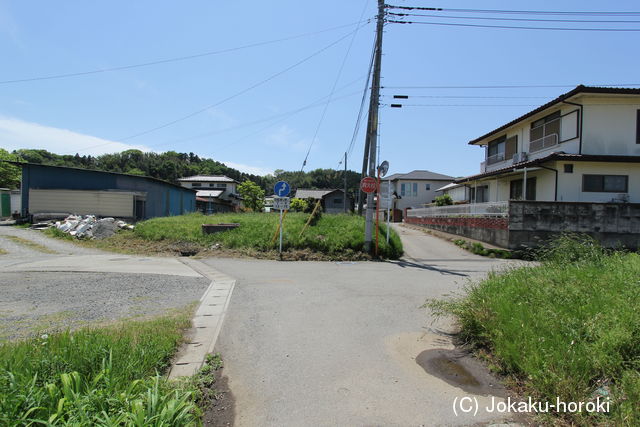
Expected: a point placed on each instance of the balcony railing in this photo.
(488, 209)
(499, 157)
(545, 142)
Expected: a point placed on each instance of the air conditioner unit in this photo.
(520, 157)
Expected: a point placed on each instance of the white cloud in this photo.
(16, 134)
(287, 138)
(255, 170)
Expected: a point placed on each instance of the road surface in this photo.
(335, 343)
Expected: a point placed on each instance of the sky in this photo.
(258, 85)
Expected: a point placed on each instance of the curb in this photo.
(206, 323)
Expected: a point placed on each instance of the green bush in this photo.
(444, 200)
(568, 328)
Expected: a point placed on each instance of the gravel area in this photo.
(59, 246)
(32, 303)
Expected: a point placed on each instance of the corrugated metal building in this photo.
(57, 189)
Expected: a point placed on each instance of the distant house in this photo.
(214, 193)
(416, 188)
(332, 201)
(62, 190)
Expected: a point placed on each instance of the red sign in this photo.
(368, 185)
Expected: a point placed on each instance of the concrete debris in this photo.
(87, 226)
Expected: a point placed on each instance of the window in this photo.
(516, 191)
(337, 201)
(415, 189)
(196, 184)
(221, 185)
(479, 194)
(545, 132)
(409, 189)
(402, 190)
(495, 150)
(605, 183)
(427, 187)
(568, 168)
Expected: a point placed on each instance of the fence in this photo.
(488, 209)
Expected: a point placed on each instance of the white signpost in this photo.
(282, 204)
(386, 201)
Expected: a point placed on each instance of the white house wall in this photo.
(570, 184)
(610, 126)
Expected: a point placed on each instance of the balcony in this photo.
(496, 158)
(542, 143)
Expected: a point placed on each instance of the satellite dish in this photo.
(383, 168)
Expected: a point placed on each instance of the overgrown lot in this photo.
(568, 328)
(106, 376)
(332, 237)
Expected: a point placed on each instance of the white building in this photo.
(214, 193)
(583, 146)
(416, 189)
(458, 192)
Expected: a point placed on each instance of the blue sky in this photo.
(254, 129)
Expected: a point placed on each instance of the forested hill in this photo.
(170, 166)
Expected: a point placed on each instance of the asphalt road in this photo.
(67, 286)
(326, 343)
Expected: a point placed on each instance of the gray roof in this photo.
(303, 193)
(423, 175)
(207, 178)
(209, 193)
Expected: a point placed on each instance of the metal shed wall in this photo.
(82, 202)
(163, 199)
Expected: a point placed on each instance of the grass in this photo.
(31, 245)
(479, 249)
(567, 328)
(99, 376)
(333, 237)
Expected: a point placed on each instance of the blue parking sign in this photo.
(281, 189)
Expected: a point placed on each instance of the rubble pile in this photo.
(88, 226)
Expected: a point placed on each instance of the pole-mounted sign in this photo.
(368, 185)
(281, 202)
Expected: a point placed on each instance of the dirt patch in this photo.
(220, 408)
(460, 369)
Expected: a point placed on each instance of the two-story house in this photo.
(417, 188)
(214, 193)
(583, 146)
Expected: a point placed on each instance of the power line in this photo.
(517, 19)
(460, 105)
(521, 12)
(468, 97)
(356, 128)
(237, 94)
(284, 115)
(450, 24)
(507, 86)
(335, 83)
(175, 59)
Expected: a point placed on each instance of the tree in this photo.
(299, 205)
(9, 174)
(444, 200)
(253, 195)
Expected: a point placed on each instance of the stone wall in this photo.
(612, 224)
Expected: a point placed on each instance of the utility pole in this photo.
(345, 183)
(372, 125)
